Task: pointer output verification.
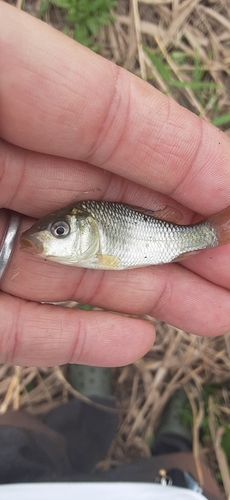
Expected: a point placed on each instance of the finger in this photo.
(35, 184)
(59, 98)
(213, 265)
(47, 335)
(170, 293)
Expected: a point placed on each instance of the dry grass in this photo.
(184, 34)
(191, 38)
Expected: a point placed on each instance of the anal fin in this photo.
(185, 255)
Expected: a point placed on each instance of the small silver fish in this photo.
(109, 235)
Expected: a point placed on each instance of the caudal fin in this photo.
(221, 225)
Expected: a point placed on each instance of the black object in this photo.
(184, 479)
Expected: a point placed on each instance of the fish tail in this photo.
(221, 224)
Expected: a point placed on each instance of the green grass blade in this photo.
(160, 66)
(193, 85)
(221, 120)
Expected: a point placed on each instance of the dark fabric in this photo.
(88, 431)
(28, 456)
(67, 443)
(69, 440)
(170, 443)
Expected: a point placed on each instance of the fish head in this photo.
(67, 236)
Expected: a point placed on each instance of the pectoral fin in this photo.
(108, 262)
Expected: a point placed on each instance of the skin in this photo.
(71, 122)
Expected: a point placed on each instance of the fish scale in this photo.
(110, 235)
(139, 239)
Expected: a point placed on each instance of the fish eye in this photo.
(60, 229)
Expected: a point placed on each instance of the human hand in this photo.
(65, 112)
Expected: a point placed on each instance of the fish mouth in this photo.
(30, 244)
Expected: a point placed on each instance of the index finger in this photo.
(59, 98)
